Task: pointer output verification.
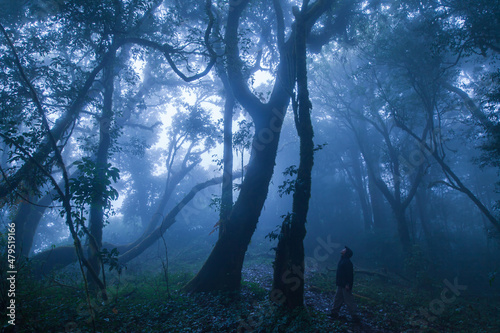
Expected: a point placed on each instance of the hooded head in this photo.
(348, 252)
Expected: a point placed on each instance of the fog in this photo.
(174, 150)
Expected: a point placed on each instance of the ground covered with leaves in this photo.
(145, 302)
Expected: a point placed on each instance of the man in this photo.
(345, 275)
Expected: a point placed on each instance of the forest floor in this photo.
(142, 299)
(144, 302)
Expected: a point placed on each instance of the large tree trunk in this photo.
(371, 156)
(288, 281)
(28, 218)
(394, 196)
(222, 270)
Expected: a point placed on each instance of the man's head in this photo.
(346, 252)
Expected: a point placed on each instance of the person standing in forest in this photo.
(344, 281)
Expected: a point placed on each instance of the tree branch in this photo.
(167, 50)
(168, 220)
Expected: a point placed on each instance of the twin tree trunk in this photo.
(222, 269)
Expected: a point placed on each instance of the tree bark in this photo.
(288, 279)
(222, 270)
(377, 205)
(227, 180)
(394, 197)
(26, 220)
(99, 198)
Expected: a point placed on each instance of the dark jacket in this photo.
(345, 272)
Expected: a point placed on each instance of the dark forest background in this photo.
(199, 165)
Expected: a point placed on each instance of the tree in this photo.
(288, 279)
(98, 31)
(222, 270)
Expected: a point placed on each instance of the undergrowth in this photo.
(142, 303)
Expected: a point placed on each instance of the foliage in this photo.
(391, 68)
(242, 139)
(111, 258)
(215, 202)
(195, 125)
(278, 232)
(139, 303)
(288, 186)
(92, 184)
(84, 186)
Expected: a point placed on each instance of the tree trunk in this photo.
(99, 199)
(403, 230)
(380, 224)
(26, 220)
(456, 182)
(222, 269)
(227, 180)
(288, 280)
(361, 189)
(371, 156)
(171, 185)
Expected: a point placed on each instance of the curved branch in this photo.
(65, 255)
(473, 108)
(167, 50)
(167, 221)
(236, 79)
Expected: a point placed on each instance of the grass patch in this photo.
(143, 303)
